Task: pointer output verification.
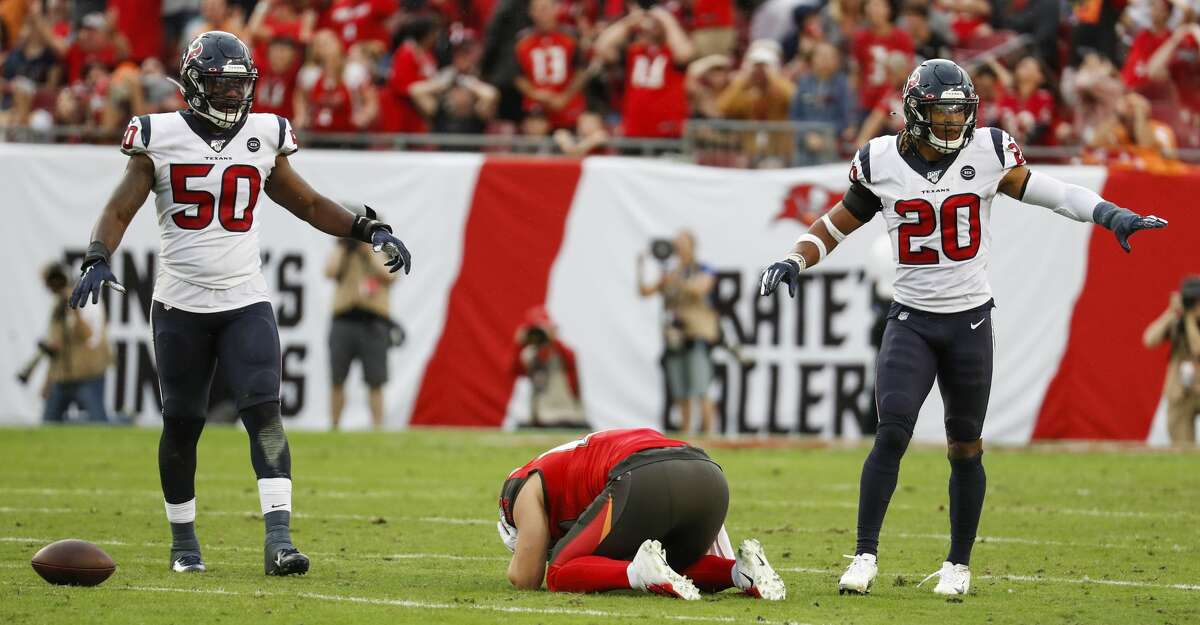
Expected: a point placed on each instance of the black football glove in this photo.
(96, 275)
(1124, 222)
(398, 255)
(787, 271)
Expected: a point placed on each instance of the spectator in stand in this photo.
(886, 117)
(1028, 112)
(823, 95)
(1037, 18)
(31, 68)
(991, 85)
(275, 91)
(469, 104)
(217, 15)
(500, 67)
(277, 20)
(656, 54)
(142, 23)
(1095, 28)
(95, 44)
(1130, 132)
(552, 67)
(590, 136)
(1136, 71)
(1179, 59)
(759, 91)
(928, 43)
(799, 42)
(335, 93)
(706, 79)
(840, 21)
(712, 26)
(415, 86)
(968, 20)
(366, 23)
(1091, 94)
(873, 44)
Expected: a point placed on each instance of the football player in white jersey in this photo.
(207, 166)
(934, 183)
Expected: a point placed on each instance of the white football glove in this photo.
(508, 533)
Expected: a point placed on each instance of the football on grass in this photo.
(73, 563)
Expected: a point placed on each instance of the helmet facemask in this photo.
(223, 98)
(956, 133)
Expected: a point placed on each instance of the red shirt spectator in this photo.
(331, 107)
(712, 13)
(141, 23)
(1024, 115)
(655, 96)
(871, 46)
(1144, 45)
(92, 45)
(358, 21)
(276, 86)
(412, 63)
(550, 61)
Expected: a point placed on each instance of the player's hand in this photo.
(398, 255)
(1128, 222)
(508, 533)
(786, 271)
(95, 277)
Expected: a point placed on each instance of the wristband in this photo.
(837, 235)
(96, 252)
(364, 227)
(815, 240)
(798, 259)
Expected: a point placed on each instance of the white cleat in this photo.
(188, 563)
(953, 579)
(754, 575)
(859, 576)
(654, 575)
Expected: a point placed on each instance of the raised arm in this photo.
(289, 190)
(123, 204)
(1075, 202)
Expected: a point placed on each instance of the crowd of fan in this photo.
(1119, 77)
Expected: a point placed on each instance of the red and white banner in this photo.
(493, 237)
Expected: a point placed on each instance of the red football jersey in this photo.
(655, 102)
(274, 93)
(1023, 114)
(871, 51)
(410, 64)
(362, 20)
(331, 106)
(549, 60)
(575, 473)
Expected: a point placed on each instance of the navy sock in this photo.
(183, 539)
(968, 482)
(278, 527)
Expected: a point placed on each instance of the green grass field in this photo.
(401, 530)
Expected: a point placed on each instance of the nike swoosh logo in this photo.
(278, 505)
(978, 323)
(748, 578)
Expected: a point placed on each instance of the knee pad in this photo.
(179, 430)
(898, 406)
(964, 430)
(891, 439)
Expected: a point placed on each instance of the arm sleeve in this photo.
(1068, 200)
(859, 199)
(136, 139)
(286, 143)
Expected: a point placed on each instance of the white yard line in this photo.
(1075, 581)
(427, 605)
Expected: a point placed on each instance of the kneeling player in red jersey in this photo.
(627, 509)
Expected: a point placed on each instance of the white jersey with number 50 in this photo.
(207, 189)
(938, 215)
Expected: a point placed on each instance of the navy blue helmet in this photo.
(217, 77)
(938, 84)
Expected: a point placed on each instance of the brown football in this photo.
(73, 562)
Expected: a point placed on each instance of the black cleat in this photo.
(285, 561)
(188, 563)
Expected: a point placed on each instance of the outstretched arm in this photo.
(122, 205)
(1075, 202)
(813, 246)
(289, 190)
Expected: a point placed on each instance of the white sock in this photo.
(181, 512)
(634, 582)
(275, 494)
(739, 582)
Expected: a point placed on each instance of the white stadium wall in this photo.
(492, 237)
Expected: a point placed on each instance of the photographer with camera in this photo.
(550, 366)
(1179, 326)
(690, 326)
(362, 328)
(77, 347)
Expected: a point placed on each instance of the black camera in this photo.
(662, 249)
(1189, 292)
(536, 335)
